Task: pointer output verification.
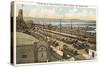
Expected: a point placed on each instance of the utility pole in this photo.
(71, 27)
(60, 25)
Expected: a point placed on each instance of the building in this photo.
(30, 50)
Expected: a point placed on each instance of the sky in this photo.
(62, 12)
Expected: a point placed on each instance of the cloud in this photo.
(60, 12)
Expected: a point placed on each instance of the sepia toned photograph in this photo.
(54, 32)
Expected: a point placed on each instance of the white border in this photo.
(14, 33)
